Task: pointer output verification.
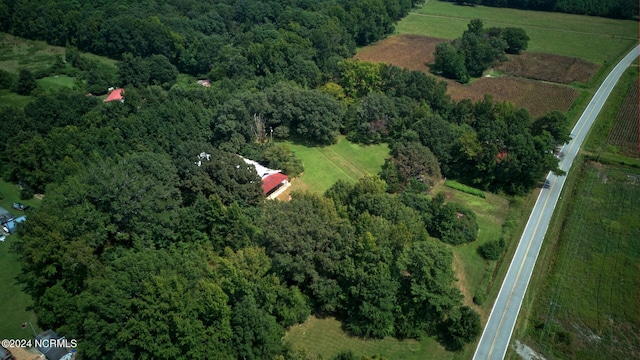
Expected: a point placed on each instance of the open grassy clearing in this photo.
(14, 301)
(17, 53)
(10, 98)
(345, 160)
(594, 39)
(325, 337)
(57, 81)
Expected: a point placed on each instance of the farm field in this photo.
(413, 52)
(588, 265)
(343, 160)
(549, 67)
(587, 304)
(537, 97)
(624, 134)
(593, 39)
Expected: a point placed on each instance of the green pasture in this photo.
(14, 310)
(10, 98)
(594, 39)
(345, 160)
(491, 213)
(56, 82)
(325, 337)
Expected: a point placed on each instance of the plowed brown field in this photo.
(537, 97)
(414, 52)
(626, 126)
(549, 67)
(404, 51)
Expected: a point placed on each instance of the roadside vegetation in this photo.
(583, 299)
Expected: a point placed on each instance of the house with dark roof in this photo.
(52, 346)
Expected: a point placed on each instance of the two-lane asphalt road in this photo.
(497, 333)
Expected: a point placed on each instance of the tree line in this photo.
(619, 9)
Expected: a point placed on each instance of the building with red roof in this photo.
(115, 95)
(274, 182)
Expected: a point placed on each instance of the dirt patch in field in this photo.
(549, 67)
(537, 97)
(625, 132)
(404, 51)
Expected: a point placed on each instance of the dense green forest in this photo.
(617, 9)
(143, 248)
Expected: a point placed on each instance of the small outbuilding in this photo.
(115, 95)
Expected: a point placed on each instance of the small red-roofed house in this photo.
(115, 95)
(272, 183)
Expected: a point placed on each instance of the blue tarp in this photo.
(11, 225)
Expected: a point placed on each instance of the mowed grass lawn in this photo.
(325, 337)
(57, 81)
(325, 165)
(594, 39)
(14, 303)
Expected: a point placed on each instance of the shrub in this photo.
(478, 299)
(464, 188)
(491, 250)
(26, 193)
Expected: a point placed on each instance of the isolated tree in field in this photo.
(26, 82)
(516, 38)
(450, 63)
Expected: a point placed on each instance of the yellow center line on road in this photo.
(535, 230)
